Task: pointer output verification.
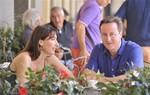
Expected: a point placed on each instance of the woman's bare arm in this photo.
(20, 65)
(58, 66)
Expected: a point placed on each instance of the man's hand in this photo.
(84, 61)
(91, 75)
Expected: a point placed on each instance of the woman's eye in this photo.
(53, 38)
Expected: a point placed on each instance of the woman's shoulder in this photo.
(24, 56)
(21, 60)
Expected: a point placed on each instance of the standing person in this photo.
(137, 15)
(38, 53)
(114, 56)
(87, 34)
(31, 18)
(65, 29)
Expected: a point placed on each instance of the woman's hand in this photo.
(59, 53)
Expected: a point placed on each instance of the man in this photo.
(137, 15)
(65, 29)
(114, 56)
(87, 34)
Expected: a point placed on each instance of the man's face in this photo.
(57, 17)
(111, 37)
(103, 3)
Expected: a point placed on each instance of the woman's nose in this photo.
(56, 44)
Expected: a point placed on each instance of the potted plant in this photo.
(48, 82)
(136, 83)
(9, 40)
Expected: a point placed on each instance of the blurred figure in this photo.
(65, 34)
(137, 15)
(30, 20)
(87, 33)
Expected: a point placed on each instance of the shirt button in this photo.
(112, 69)
(121, 70)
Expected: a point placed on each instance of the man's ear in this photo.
(121, 33)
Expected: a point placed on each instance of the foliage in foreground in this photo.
(48, 82)
(137, 83)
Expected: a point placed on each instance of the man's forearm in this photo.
(115, 79)
(91, 75)
(80, 30)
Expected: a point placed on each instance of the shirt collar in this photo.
(120, 52)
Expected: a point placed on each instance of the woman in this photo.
(38, 52)
(30, 20)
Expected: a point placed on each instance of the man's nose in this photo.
(108, 38)
(57, 19)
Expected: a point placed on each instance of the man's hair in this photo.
(112, 19)
(54, 9)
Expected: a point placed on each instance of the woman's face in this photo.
(49, 45)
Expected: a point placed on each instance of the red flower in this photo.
(61, 93)
(63, 74)
(23, 91)
(43, 74)
(127, 85)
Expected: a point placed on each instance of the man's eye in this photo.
(104, 34)
(112, 34)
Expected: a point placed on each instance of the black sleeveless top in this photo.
(11, 79)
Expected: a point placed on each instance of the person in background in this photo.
(65, 34)
(87, 34)
(114, 56)
(38, 53)
(137, 15)
(31, 19)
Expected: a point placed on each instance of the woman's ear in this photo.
(41, 42)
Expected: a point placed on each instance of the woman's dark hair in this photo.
(110, 19)
(39, 33)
